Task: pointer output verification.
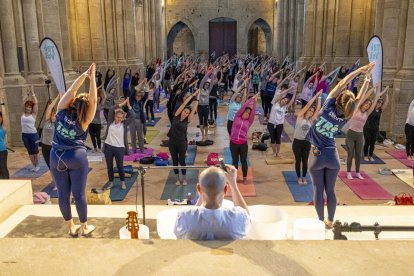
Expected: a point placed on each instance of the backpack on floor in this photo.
(160, 162)
(163, 155)
(147, 160)
(260, 146)
(213, 159)
(264, 137)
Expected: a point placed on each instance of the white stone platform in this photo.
(14, 194)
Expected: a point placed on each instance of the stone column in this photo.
(280, 28)
(330, 29)
(120, 38)
(139, 32)
(84, 31)
(153, 24)
(110, 30)
(292, 29)
(286, 28)
(130, 30)
(73, 31)
(97, 26)
(408, 61)
(319, 29)
(342, 32)
(8, 37)
(357, 28)
(300, 13)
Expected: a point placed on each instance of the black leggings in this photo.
(46, 154)
(370, 137)
(275, 133)
(4, 171)
(95, 133)
(177, 151)
(261, 97)
(301, 150)
(150, 106)
(267, 104)
(213, 109)
(255, 88)
(229, 126)
(203, 115)
(117, 152)
(409, 135)
(239, 151)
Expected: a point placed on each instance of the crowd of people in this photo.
(198, 84)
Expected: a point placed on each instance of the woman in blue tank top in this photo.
(4, 127)
(68, 160)
(324, 160)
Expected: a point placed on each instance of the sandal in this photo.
(75, 233)
(88, 231)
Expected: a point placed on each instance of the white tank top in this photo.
(28, 124)
(115, 135)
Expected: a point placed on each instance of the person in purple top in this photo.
(324, 160)
(68, 159)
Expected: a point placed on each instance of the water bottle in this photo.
(189, 199)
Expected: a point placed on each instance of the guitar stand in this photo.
(340, 227)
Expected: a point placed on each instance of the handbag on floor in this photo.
(403, 199)
(213, 159)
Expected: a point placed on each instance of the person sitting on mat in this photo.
(209, 220)
(243, 120)
(116, 140)
(300, 146)
(177, 135)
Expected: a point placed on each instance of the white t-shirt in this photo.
(200, 223)
(115, 135)
(410, 114)
(28, 124)
(277, 114)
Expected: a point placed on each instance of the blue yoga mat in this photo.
(26, 173)
(160, 110)
(300, 193)
(156, 120)
(259, 109)
(229, 160)
(191, 155)
(174, 192)
(49, 189)
(117, 194)
(220, 121)
(377, 160)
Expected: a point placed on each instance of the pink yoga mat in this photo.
(366, 188)
(137, 156)
(401, 156)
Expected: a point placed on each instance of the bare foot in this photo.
(178, 182)
(185, 182)
(304, 182)
(366, 158)
(300, 181)
(371, 159)
(244, 180)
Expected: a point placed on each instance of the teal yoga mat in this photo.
(300, 193)
(26, 173)
(150, 124)
(172, 191)
(229, 160)
(117, 194)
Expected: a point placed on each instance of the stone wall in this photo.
(196, 14)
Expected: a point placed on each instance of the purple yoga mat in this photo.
(401, 156)
(137, 156)
(291, 120)
(366, 188)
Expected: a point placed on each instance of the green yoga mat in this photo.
(151, 134)
(117, 194)
(173, 191)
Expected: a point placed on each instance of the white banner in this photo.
(54, 63)
(374, 50)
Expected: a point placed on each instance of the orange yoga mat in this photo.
(248, 189)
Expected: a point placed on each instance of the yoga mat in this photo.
(340, 134)
(300, 193)
(95, 157)
(117, 194)
(151, 134)
(162, 108)
(229, 160)
(247, 190)
(261, 119)
(259, 110)
(49, 189)
(220, 121)
(366, 188)
(406, 175)
(285, 136)
(401, 156)
(137, 156)
(174, 192)
(377, 160)
(279, 161)
(291, 120)
(156, 120)
(191, 155)
(26, 173)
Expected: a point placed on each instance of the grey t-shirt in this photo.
(97, 117)
(301, 129)
(48, 132)
(204, 97)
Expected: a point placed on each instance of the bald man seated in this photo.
(209, 220)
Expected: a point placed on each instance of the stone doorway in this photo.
(259, 38)
(180, 39)
(223, 36)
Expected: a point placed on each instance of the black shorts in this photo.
(275, 133)
(203, 111)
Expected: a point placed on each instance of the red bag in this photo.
(403, 199)
(213, 159)
(163, 155)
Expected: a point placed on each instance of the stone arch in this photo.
(180, 38)
(259, 37)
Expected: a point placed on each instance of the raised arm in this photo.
(386, 100)
(36, 103)
(251, 101)
(67, 98)
(364, 88)
(193, 107)
(50, 108)
(292, 100)
(90, 113)
(305, 109)
(184, 104)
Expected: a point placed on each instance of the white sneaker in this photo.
(36, 169)
(87, 231)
